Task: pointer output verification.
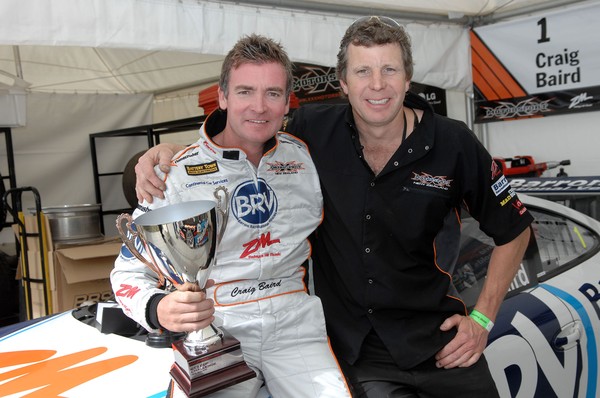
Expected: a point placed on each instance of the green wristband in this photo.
(481, 319)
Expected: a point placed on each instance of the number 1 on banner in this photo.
(543, 37)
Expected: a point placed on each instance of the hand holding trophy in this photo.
(180, 242)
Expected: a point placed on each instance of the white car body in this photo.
(61, 356)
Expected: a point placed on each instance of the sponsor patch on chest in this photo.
(254, 203)
(291, 167)
(427, 180)
(201, 169)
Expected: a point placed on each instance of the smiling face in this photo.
(256, 103)
(375, 83)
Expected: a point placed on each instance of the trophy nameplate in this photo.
(221, 366)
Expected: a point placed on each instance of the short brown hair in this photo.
(374, 31)
(255, 49)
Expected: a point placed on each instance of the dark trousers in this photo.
(375, 375)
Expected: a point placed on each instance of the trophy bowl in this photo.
(180, 242)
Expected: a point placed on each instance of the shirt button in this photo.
(426, 147)
(409, 150)
(370, 310)
(370, 281)
(373, 183)
(368, 216)
(396, 163)
(367, 250)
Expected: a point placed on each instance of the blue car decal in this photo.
(592, 382)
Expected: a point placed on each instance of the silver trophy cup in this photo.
(180, 243)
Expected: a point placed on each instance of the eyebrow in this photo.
(243, 87)
(276, 89)
(252, 88)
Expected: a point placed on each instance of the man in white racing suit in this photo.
(275, 204)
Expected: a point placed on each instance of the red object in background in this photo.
(208, 99)
(294, 101)
(524, 166)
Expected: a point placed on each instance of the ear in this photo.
(407, 86)
(287, 104)
(222, 99)
(344, 86)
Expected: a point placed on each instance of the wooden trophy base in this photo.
(221, 366)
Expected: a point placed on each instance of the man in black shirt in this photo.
(394, 177)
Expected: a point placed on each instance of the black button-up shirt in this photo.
(384, 254)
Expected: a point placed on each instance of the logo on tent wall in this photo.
(316, 83)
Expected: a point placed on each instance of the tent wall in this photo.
(52, 153)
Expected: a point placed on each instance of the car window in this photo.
(561, 242)
(558, 243)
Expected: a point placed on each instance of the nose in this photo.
(377, 81)
(259, 104)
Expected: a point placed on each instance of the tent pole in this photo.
(17, 57)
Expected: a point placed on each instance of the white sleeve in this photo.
(133, 282)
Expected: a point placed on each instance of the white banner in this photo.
(552, 51)
(542, 65)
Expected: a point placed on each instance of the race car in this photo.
(544, 343)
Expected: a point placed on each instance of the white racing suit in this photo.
(260, 296)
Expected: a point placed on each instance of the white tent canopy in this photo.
(135, 46)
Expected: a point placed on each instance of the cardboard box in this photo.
(75, 273)
(82, 273)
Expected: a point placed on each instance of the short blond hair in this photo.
(255, 49)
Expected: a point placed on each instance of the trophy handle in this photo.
(128, 235)
(222, 196)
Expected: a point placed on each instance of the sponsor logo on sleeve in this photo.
(496, 171)
(517, 204)
(127, 291)
(145, 209)
(511, 193)
(499, 186)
